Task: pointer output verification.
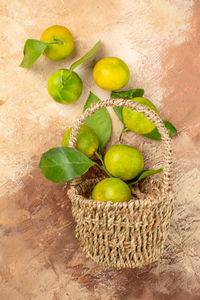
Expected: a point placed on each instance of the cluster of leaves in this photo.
(61, 164)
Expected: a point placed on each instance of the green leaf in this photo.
(130, 94)
(172, 130)
(32, 50)
(155, 134)
(61, 164)
(144, 174)
(99, 122)
(118, 111)
(86, 56)
(92, 98)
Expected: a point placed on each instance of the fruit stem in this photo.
(85, 57)
(103, 166)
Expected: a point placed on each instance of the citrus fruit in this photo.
(111, 189)
(111, 73)
(123, 161)
(61, 43)
(65, 87)
(87, 141)
(136, 121)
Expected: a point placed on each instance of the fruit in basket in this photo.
(111, 73)
(123, 161)
(60, 42)
(111, 189)
(65, 86)
(136, 121)
(87, 140)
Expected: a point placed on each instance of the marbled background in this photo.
(39, 255)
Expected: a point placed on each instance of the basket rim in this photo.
(149, 201)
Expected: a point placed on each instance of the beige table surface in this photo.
(40, 257)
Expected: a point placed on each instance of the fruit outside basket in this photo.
(127, 234)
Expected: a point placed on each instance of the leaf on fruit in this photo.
(99, 122)
(32, 50)
(130, 94)
(86, 56)
(61, 164)
(155, 134)
(144, 174)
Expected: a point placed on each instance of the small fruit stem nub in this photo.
(57, 41)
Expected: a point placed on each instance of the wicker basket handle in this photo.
(149, 113)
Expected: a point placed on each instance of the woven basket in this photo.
(128, 234)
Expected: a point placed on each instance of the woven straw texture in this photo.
(128, 234)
